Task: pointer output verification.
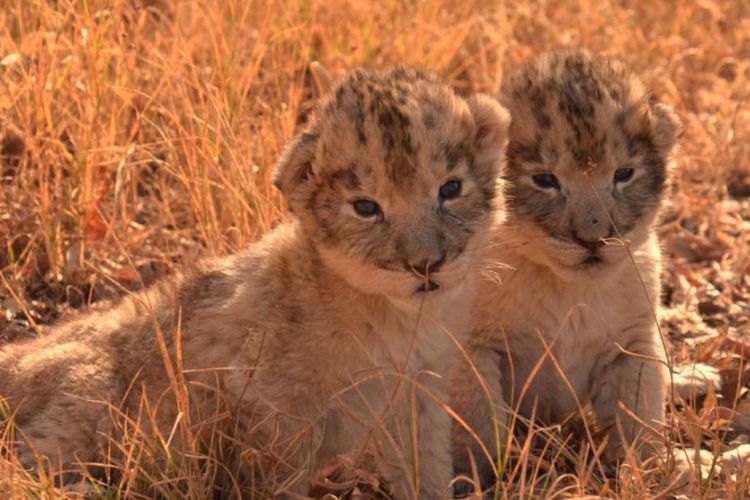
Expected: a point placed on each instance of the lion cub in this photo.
(333, 328)
(577, 275)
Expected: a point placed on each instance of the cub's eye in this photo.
(450, 190)
(546, 181)
(366, 208)
(623, 174)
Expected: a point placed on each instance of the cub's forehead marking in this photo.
(580, 104)
(453, 152)
(394, 116)
(528, 153)
(347, 177)
(538, 101)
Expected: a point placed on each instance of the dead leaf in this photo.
(695, 380)
(735, 384)
(736, 458)
(723, 416)
(738, 347)
(691, 463)
(694, 248)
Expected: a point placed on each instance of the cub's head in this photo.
(393, 180)
(588, 160)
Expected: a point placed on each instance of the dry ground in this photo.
(139, 135)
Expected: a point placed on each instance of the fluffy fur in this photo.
(576, 264)
(329, 336)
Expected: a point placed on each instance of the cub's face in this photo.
(393, 181)
(588, 159)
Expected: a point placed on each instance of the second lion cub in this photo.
(331, 334)
(566, 320)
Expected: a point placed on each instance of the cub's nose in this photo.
(426, 266)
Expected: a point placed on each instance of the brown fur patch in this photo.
(581, 117)
(392, 138)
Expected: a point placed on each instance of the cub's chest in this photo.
(590, 322)
(416, 340)
(573, 342)
(588, 338)
(580, 328)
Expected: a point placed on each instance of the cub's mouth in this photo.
(592, 259)
(591, 263)
(427, 287)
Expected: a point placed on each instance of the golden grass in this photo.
(139, 134)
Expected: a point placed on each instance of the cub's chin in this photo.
(412, 294)
(398, 287)
(583, 267)
(442, 297)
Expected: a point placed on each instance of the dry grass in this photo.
(135, 135)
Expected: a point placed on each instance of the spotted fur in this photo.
(320, 337)
(582, 117)
(576, 264)
(397, 138)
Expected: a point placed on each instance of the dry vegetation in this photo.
(139, 135)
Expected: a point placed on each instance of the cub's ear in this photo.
(491, 134)
(295, 167)
(666, 128)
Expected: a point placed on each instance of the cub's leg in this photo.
(64, 432)
(289, 435)
(476, 396)
(636, 379)
(58, 395)
(433, 461)
(288, 452)
(434, 446)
